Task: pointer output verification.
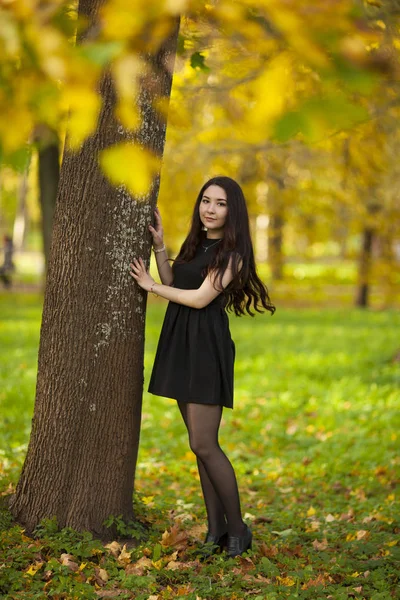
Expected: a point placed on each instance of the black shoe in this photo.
(219, 540)
(212, 544)
(237, 544)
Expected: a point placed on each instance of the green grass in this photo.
(313, 437)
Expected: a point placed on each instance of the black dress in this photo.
(195, 355)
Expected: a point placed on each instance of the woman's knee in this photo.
(201, 448)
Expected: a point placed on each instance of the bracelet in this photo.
(159, 250)
(151, 290)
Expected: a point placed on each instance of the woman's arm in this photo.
(198, 298)
(163, 266)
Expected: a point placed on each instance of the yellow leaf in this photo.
(131, 166)
(147, 499)
(82, 566)
(392, 543)
(176, 6)
(125, 556)
(158, 564)
(285, 580)
(84, 106)
(33, 569)
(126, 70)
(311, 511)
(127, 113)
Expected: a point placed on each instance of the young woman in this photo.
(213, 272)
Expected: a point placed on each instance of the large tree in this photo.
(82, 453)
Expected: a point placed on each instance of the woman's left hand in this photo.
(138, 272)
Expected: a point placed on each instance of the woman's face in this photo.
(213, 210)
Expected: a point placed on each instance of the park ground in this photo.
(313, 437)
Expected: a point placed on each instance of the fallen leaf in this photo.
(114, 547)
(174, 537)
(349, 516)
(67, 560)
(268, 551)
(246, 563)
(172, 556)
(321, 579)
(101, 576)
(320, 545)
(262, 578)
(140, 567)
(184, 590)
(258, 520)
(33, 569)
(313, 526)
(329, 518)
(197, 531)
(125, 556)
(284, 533)
(285, 580)
(362, 534)
(173, 565)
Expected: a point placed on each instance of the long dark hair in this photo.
(246, 288)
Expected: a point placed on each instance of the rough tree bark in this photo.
(49, 176)
(82, 453)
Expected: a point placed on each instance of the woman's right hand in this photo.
(157, 232)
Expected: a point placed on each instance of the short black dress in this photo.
(195, 355)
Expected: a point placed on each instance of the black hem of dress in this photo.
(190, 401)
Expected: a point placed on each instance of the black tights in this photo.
(217, 477)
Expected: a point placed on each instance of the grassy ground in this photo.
(314, 440)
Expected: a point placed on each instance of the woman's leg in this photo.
(214, 507)
(203, 422)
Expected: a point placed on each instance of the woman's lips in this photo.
(209, 219)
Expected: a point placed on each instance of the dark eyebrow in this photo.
(208, 198)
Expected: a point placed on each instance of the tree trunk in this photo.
(82, 453)
(21, 218)
(275, 243)
(49, 175)
(364, 268)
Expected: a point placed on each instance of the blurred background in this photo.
(300, 104)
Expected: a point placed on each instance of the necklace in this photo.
(210, 246)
